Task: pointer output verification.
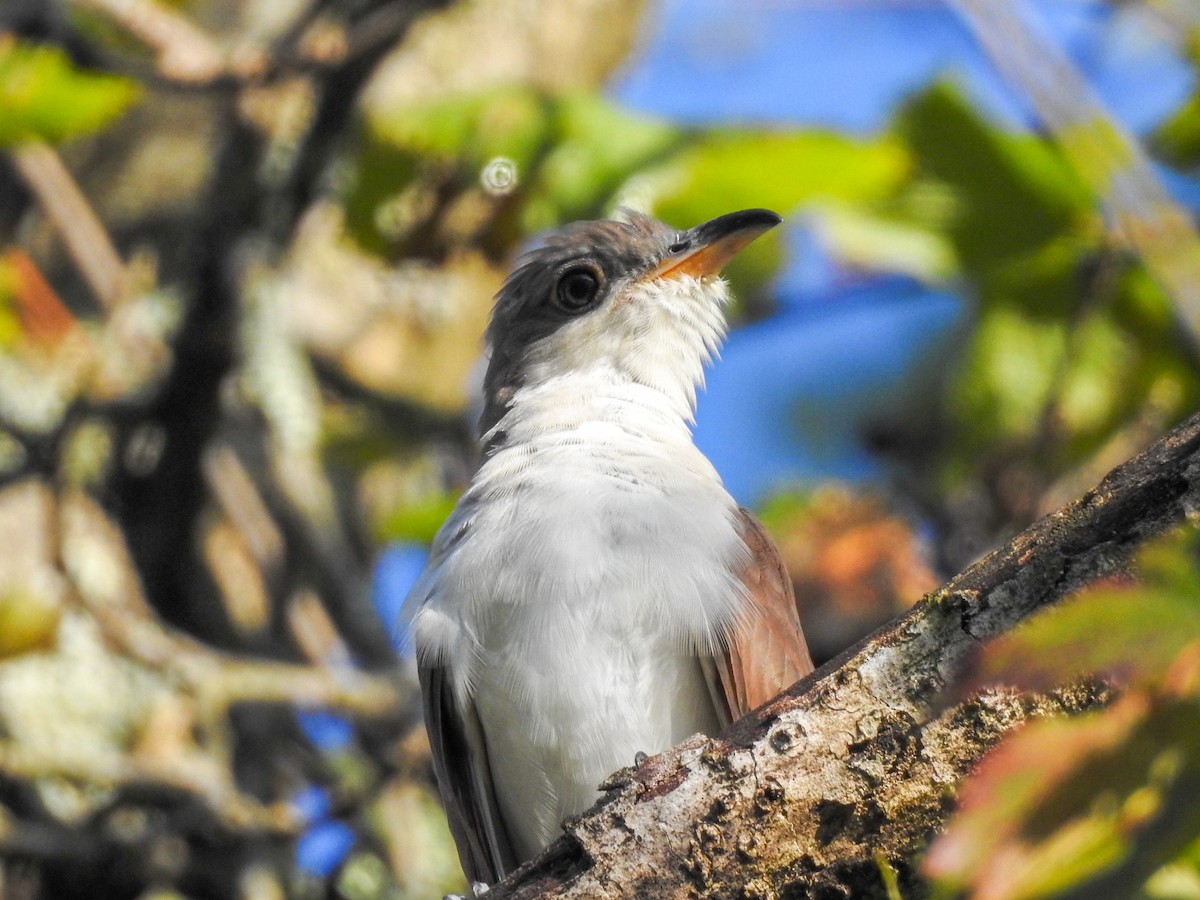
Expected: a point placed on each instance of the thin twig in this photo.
(235, 809)
(241, 501)
(87, 240)
(183, 51)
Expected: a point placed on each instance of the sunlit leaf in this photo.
(1135, 632)
(1131, 631)
(567, 154)
(1178, 138)
(1071, 340)
(1089, 807)
(10, 322)
(1017, 193)
(417, 521)
(1179, 879)
(868, 241)
(513, 122)
(784, 170)
(596, 148)
(43, 96)
(1008, 375)
(28, 619)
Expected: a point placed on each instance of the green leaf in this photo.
(1071, 340)
(513, 122)
(1132, 632)
(43, 96)
(1089, 807)
(569, 154)
(864, 239)
(1178, 138)
(596, 146)
(1007, 377)
(731, 169)
(1178, 880)
(417, 521)
(1015, 192)
(10, 321)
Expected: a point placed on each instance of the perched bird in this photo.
(596, 593)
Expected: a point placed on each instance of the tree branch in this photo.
(73, 217)
(859, 759)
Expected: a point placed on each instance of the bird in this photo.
(596, 594)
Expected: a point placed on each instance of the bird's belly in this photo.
(572, 613)
(561, 717)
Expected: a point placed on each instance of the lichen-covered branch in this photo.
(860, 759)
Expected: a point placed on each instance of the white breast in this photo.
(589, 562)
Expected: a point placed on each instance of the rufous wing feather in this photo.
(767, 651)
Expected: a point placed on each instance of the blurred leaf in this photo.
(1098, 151)
(43, 96)
(570, 153)
(1178, 138)
(28, 620)
(417, 521)
(1129, 632)
(596, 146)
(887, 874)
(43, 317)
(1008, 374)
(1071, 340)
(1135, 632)
(1179, 879)
(1093, 806)
(509, 121)
(854, 560)
(410, 822)
(10, 321)
(1082, 808)
(866, 240)
(380, 172)
(728, 170)
(1017, 192)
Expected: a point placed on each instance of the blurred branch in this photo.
(1106, 156)
(239, 498)
(91, 542)
(73, 218)
(1179, 18)
(857, 760)
(182, 50)
(234, 809)
(418, 422)
(188, 58)
(245, 222)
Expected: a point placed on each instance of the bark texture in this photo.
(860, 759)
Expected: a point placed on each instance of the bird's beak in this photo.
(707, 248)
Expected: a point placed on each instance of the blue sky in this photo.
(845, 65)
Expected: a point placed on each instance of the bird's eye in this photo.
(578, 288)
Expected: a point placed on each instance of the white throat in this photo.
(657, 334)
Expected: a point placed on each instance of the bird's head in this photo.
(629, 300)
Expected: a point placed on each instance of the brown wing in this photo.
(464, 780)
(767, 652)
